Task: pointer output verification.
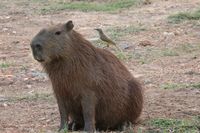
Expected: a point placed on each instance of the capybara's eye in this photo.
(57, 32)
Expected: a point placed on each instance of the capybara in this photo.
(94, 90)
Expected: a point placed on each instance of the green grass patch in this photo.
(2, 6)
(169, 52)
(162, 125)
(32, 97)
(187, 48)
(148, 54)
(180, 86)
(65, 130)
(143, 57)
(179, 17)
(180, 50)
(119, 32)
(197, 85)
(4, 65)
(123, 55)
(87, 6)
(171, 86)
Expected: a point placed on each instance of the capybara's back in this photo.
(92, 87)
(119, 94)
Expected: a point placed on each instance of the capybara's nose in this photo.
(37, 46)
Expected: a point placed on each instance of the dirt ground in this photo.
(27, 104)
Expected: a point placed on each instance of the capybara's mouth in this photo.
(39, 59)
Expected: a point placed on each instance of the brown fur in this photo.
(92, 87)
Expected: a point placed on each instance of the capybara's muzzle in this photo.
(37, 51)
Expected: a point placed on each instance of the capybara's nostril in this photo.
(36, 46)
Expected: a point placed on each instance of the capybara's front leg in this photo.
(88, 102)
(63, 113)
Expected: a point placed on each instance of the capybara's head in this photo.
(52, 42)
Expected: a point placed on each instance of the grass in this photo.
(119, 32)
(188, 48)
(123, 55)
(32, 97)
(161, 125)
(86, 6)
(4, 65)
(2, 6)
(170, 86)
(180, 17)
(143, 57)
(169, 52)
(197, 85)
(180, 50)
(180, 86)
(65, 130)
(148, 54)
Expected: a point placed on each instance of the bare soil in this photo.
(27, 104)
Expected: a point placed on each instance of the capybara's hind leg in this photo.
(136, 102)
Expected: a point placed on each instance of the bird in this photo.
(104, 38)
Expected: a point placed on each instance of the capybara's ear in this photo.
(69, 25)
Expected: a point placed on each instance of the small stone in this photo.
(168, 33)
(5, 29)
(145, 43)
(146, 2)
(5, 105)
(176, 33)
(195, 57)
(7, 17)
(15, 42)
(25, 79)
(2, 99)
(29, 86)
(31, 92)
(138, 75)
(49, 120)
(126, 46)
